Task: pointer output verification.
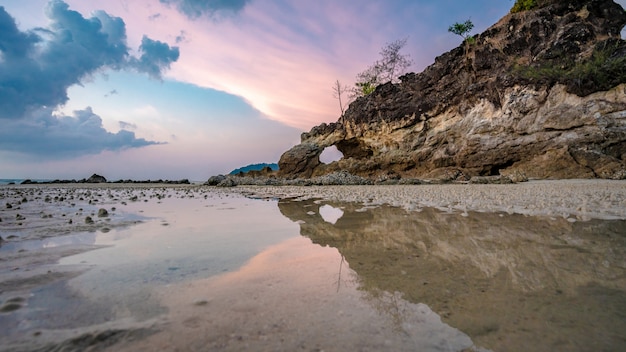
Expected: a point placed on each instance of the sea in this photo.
(17, 181)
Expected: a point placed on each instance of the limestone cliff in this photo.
(542, 92)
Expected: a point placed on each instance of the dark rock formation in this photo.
(214, 180)
(541, 93)
(95, 178)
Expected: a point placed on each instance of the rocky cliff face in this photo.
(541, 93)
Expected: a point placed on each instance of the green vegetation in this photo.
(524, 5)
(391, 65)
(602, 71)
(462, 29)
(366, 88)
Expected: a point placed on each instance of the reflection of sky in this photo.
(290, 293)
(86, 238)
(330, 214)
(228, 247)
(186, 238)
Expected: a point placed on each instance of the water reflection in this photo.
(510, 282)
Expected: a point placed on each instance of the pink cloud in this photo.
(283, 56)
(282, 62)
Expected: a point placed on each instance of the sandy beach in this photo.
(43, 224)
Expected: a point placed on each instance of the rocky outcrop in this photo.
(95, 178)
(542, 93)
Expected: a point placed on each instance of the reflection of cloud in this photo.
(330, 214)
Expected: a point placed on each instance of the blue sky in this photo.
(191, 88)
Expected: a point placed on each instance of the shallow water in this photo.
(217, 271)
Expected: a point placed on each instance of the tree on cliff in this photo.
(338, 92)
(462, 29)
(391, 65)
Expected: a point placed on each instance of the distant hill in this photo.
(254, 167)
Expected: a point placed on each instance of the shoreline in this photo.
(573, 199)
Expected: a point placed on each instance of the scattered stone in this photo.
(9, 206)
(88, 220)
(102, 213)
(490, 180)
(229, 182)
(10, 307)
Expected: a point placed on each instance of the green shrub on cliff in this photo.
(462, 29)
(391, 65)
(605, 69)
(523, 5)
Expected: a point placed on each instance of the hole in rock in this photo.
(330, 154)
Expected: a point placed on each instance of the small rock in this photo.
(215, 180)
(229, 182)
(88, 220)
(103, 213)
(9, 206)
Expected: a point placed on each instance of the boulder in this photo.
(95, 178)
(300, 160)
(214, 180)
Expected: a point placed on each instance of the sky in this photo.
(173, 89)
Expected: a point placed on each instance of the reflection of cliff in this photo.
(506, 280)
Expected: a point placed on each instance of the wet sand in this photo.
(260, 303)
(570, 199)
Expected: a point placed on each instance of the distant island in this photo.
(254, 167)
